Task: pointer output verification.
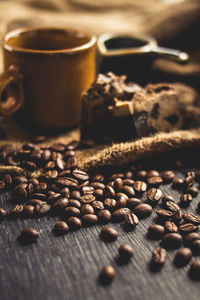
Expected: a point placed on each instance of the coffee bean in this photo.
(131, 220)
(195, 269)
(188, 181)
(29, 165)
(128, 175)
(42, 208)
(119, 214)
(54, 197)
(107, 275)
(99, 193)
(67, 181)
(39, 196)
(170, 205)
(61, 203)
(159, 255)
(51, 174)
(20, 192)
(58, 147)
(75, 195)
(73, 145)
(41, 187)
(16, 210)
(118, 184)
(68, 153)
(71, 162)
(191, 218)
(60, 164)
(38, 139)
(65, 192)
(87, 209)
(98, 177)
(7, 179)
(177, 215)
(185, 199)
(154, 181)
(28, 235)
(126, 251)
(104, 216)
(171, 227)
(153, 173)
(3, 213)
(110, 203)
(192, 191)
(133, 202)
(177, 183)
(172, 240)
(89, 219)
(34, 202)
(164, 214)
(140, 186)
(108, 234)
(87, 189)
(97, 205)
(143, 210)
(187, 227)
(196, 247)
(34, 181)
(80, 175)
(167, 198)
(183, 256)
(127, 181)
(142, 174)
(61, 228)
(168, 176)
(29, 210)
(75, 203)
(156, 231)
(121, 200)
(87, 198)
(128, 190)
(109, 191)
(189, 238)
(97, 185)
(50, 165)
(74, 223)
(154, 194)
(72, 211)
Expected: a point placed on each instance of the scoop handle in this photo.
(173, 54)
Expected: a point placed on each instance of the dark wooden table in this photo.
(67, 267)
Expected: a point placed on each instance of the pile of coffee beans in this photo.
(83, 199)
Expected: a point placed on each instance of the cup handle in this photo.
(11, 91)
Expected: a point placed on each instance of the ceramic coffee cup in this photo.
(45, 72)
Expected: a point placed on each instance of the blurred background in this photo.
(174, 23)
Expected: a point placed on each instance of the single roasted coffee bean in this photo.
(126, 251)
(68, 153)
(143, 210)
(185, 199)
(159, 255)
(191, 218)
(3, 213)
(133, 202)
(196, 247)
(140, 186)
(75, 203)
(41, 187)
(153, 173)
(171, 227)
(107, 275)
(75, 194)
(183, 256)
(172, 240)
(58, 147)
(28, 235)
(60, 203)
(156, 231)
(154, 194)
(54, 197)
(131, 220)
(108, 234)
(177, 216)
(29, 210)
(177, 183)
(72, 145)
(39, 196)
(142, 174)
(110, 203)
(80, 175)
(121, 200)
(87, 209)
(118, 184)
(97, 205)
(119, 214)
(168, 176)
(189, 238)
(195, 269)
(87, 198)
(128, 190)
(61, 228)
(187, 227)
(109, 191)
(98, 177)
(74, 223)
(192, 191)
(90, 219)
(154, 181)
(164, 214)
(99, 194)
(71, 162)
(97, 185)
(16, 210)
(104, 216)
(170, 205)
(167, 198)
(87, 189)
(71, 211)
(67, 181)
(42, 208)
(188, 181)
(129, 182)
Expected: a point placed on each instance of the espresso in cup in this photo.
(46, 70)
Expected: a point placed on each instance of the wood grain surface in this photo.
(67, 267)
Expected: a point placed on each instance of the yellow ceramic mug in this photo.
(45, 72)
